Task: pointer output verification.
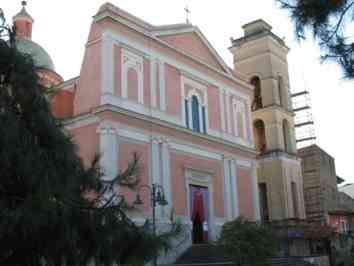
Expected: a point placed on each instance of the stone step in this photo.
(213, 255)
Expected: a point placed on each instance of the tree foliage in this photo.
(331, 23)
(248, 243)
(53, 209)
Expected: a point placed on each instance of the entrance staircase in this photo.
(212, 255)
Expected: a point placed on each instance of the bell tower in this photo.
(23, 23)
(262, 57)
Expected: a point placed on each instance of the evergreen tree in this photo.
(330, 22)
(53, 210)
(248, 243)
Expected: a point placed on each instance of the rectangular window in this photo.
(263, 201)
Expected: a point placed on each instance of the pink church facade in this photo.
(164, 93)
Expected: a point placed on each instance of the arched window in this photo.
(195, 114)
(286, 136)
(257, 96)
(259, 136)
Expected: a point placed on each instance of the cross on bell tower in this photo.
(187, 10)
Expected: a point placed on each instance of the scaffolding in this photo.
(304, 124)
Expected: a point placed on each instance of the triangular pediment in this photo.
(191, 41)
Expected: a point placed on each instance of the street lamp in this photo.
(157, 196)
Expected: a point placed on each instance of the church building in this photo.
(164, 93)
(220, 144)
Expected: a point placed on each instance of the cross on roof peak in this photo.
(187, 14)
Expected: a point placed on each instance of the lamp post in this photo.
(157, 196)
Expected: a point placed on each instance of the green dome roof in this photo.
(40, 56)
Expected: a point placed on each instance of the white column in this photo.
(234, 189)
(166, 176)
(227, 194)
(153, 82)
(162, 85)
(109, 152)
(222, 109)
(255, 191)
(107, 65)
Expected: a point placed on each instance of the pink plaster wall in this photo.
(118, 70)
(179, 164)
(214, 108)
(126, 151)
(147, 82)
(132, 81)
(87, 141)
(193, 45)
(244, 184)
(158, 47)
(173, 90)
(89, 86)
(95, 32)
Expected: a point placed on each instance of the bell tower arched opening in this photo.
(257, 95)
(259, 136)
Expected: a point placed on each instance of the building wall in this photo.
(320, 183)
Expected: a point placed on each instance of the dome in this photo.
(40, 57)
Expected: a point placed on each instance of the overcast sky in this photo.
(62, 26)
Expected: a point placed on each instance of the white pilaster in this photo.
(201, 124)
(166, 174)
(155, 162)
(190, 116)
(227, 194)
(206, 119)
(249, 125)
(228, 112)
(162, 85)
(107, 65)
(153, 82)
(222, 109)
(234, 190)
(109, 152)
(255, 191)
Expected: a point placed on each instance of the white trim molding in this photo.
(107, 68)
(109, 150)
(135, 62)
(194, 177)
